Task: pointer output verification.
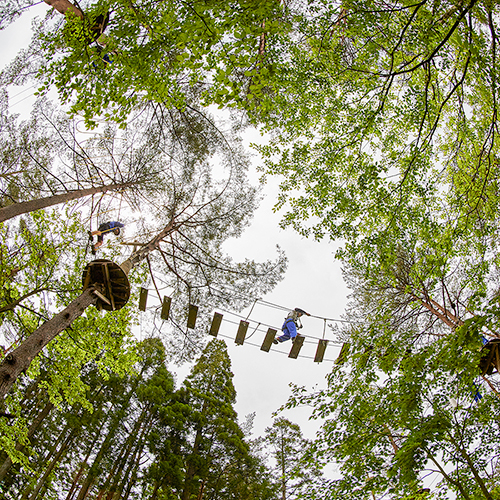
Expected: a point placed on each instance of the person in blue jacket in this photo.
(291, 325)
(104, 228)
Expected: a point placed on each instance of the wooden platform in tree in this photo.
(115, 287)
(490, 357)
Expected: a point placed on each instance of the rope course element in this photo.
(244, 324)
(259, 323)
(278, 351)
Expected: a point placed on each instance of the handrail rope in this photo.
(277, 306)
(330, 341)
(335, 342)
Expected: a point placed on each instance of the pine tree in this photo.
(294, 473)
(201, 450)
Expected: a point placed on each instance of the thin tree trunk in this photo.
(113, 479)
(64, 447)
(48, 458)
(191, 469)
(472, 468)
(437, 313)
(32, 205)
(78, 475)
(116, 419)
(20, 359)
(145, 250)
(283, 470)
(154, 495)
(91, 478)
(135, 437)
(130, 473)
(202, 489)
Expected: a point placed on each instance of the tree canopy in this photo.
(382, 125)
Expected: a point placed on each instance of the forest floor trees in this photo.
(144, 437)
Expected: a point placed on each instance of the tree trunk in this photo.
(64, 447)
(63, 6)
(145, 250)
(90, 449)
(78, 475)
(47, 459)
(116, 419)
(154, 495)
(130, 476)
(190, 468)
(19, 360)
(135, 437)
(283, 470)
(32, 205)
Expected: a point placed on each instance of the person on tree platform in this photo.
(291, 325)
(104, 228)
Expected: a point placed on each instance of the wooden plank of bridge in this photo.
(193, 312)
(242, 331)
(320, 351)
(214, 327)
(297, 344)
(268, 340)
(143, 298)
(165, 308)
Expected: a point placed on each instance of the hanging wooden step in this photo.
(268, 340)
(320, 351)
(214, 327)
(143, 298)
(342, 357)
(297, 345)
(114, 284)
(193, 312)
(242, 331)
(165, 308)
(490, 357)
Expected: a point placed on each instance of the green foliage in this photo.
(161, 52)
(41, 263)
(296, 472)
(102, 452)
(201, 448)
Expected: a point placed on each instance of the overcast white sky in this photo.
(313, 282)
